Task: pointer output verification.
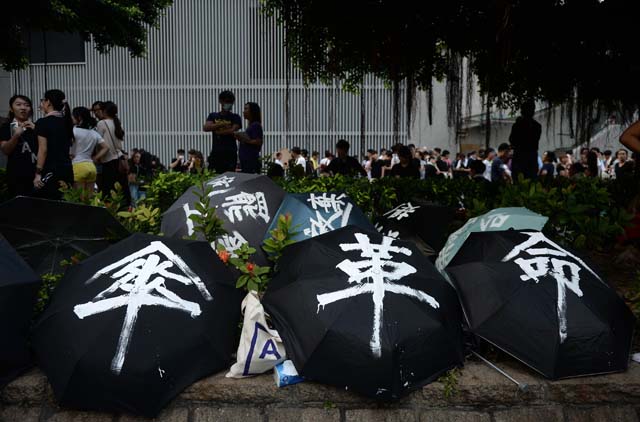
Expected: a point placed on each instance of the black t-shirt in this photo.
(347, 167)
(412, 170)
(21, 163)
(224, 142)
(376, 168)
(442, 165)
(623, 171)
(524, 138)
(430, 171)
(58, 142)
(180, 168)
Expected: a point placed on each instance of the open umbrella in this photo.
(542, 304)
(421, 222)
(495, 220)
(360, 310)
(18, 288)
(317, 213)
(247, 203)
(131, 327)
(45, 232)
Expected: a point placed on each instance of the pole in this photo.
(522, 386)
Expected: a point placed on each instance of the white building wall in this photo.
(200, 49)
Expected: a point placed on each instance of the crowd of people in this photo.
(84, 148)
(79, 147)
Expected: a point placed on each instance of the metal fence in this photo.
(200, 49)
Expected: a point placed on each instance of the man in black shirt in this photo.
(224, 151)
(376, 165)
(524, 139)
(476, 171)
(407, 167)
(343, 163)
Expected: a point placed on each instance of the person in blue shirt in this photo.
(499, 171)
(223, 125)
(251, 140)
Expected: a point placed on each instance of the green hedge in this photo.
(585, 213)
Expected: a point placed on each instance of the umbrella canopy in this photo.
(45, 232)
(542, 304)
(360, 310)
(18, 289)
(247, 203)
(317, 213)
(495, 220)
(131, 327)
(423, 223)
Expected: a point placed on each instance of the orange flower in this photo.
(250, 267)
(224, 256)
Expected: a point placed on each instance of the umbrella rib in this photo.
(43, 234)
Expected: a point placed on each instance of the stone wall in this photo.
(479, 395)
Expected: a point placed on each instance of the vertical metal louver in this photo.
(200, 49)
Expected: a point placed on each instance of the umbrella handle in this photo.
(522, 386)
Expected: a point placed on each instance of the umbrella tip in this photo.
(523, 387)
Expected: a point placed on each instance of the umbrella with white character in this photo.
(369, 312)
(541, 303)
(420, 222)
(498, 219)
(317, 213)
(130, 327)
(247, 204)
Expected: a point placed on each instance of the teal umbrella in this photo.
(317, 213)
(499, 219)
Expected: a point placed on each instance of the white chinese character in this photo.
(326, 202)
(232, 242)
(142, 278)
(389, 233)
(546, 262)
(402, 211)
(252, 205)
(323, 225)
(225, 181)
(374, 275)
(189, 212)
(495, 221)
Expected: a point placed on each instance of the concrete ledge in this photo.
(480, 394)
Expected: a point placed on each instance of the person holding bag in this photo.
(55, 135)
(115, 167)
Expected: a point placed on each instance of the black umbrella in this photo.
(542, 304)
(18, 289)
(247, 203)
(367, 312)
(45, 232)
(131, 327)
(421, 222)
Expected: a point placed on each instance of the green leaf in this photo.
(252, 286)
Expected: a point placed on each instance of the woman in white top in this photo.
(85, 141)
(111, 131)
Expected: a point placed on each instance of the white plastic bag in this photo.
(260, 348)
